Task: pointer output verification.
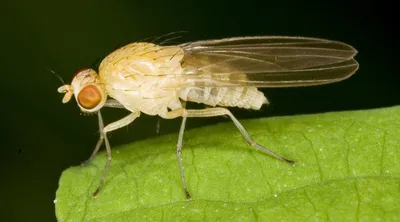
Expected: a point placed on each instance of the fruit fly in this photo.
(144, 77)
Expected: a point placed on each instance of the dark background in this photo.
(40, 136)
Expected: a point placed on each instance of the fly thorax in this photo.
(168, 60)
(137, 74)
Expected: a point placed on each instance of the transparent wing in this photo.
(272, 61)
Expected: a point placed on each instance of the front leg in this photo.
(103, 136)
(99, 142)
(112, 103)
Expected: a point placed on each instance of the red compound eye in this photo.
(89, 97)
(79, 71)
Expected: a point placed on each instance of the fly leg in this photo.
(209, 112)
(223, 111)
(183, 104)
(109, 103)
(99, 142)
(179, 145)
(158, 126)
(111, 127)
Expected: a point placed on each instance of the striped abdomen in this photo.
(243, 97)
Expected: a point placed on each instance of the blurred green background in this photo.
(40, 136)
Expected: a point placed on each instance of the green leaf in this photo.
(347, 169)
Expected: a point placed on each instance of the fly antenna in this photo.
(56, 75)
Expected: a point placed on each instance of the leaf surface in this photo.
(347, 169)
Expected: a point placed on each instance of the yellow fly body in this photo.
(147, 78)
